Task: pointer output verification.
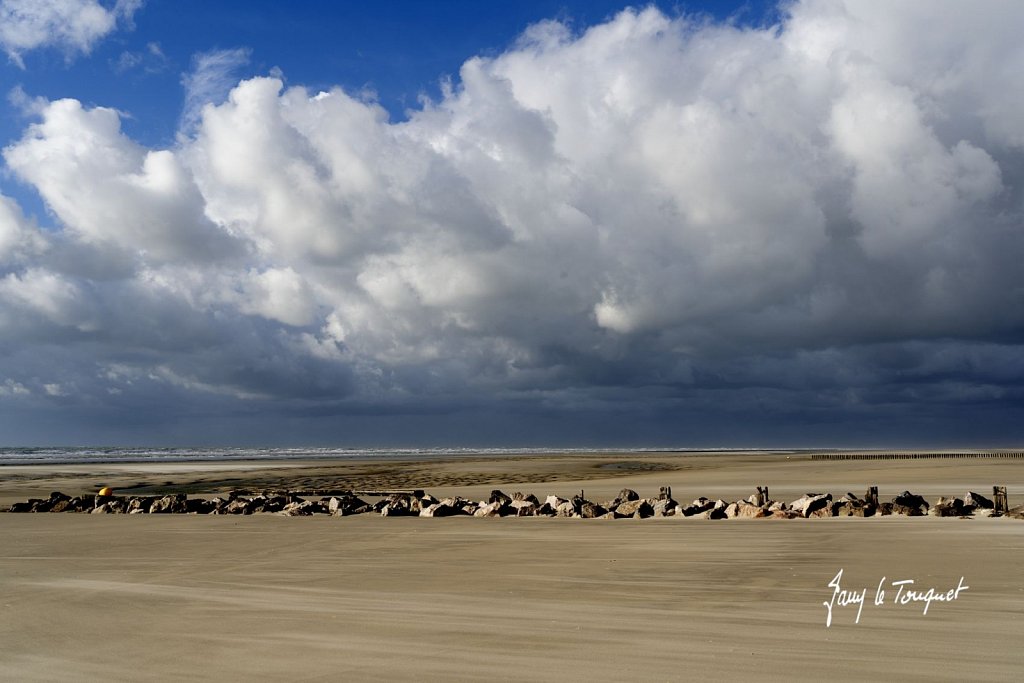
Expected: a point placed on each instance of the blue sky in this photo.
(535, 223)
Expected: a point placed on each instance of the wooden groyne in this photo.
(916, 456)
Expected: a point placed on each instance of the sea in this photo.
(66, 455)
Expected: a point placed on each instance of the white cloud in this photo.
(652, 203)
(72, 25)
(213, 74)
(19, 238)
(109, 190)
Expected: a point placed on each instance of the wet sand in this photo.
(154, 597)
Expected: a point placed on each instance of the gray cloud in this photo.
(714, 233)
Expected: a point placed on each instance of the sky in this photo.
(698, 224)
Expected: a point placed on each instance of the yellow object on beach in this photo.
(106, 491)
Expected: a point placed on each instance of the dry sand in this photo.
(155, 597)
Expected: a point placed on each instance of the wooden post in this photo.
(1002, 506)
(871, 497)
(762, 496)
(665, 493)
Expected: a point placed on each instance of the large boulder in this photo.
(827, 510)
(698, 506)
(395, 505)
(493, 509)
(200, 506)
(173, 503)
(550, 506)
(949, 507)
(565, 509)
(744, 510)
(526, 497)
(976, 500)
(665, 507)
(626, 495)
(641, 508)
(909, 504)
(809, 503)
(343, 506)
(590, 510)
(498, 496)
(523, 507)
(440, 510)
(302, 509)
(237, 506)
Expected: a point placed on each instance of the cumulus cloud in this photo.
(71, 25)
(816, 221)
(213, 74)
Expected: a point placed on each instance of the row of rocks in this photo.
(179, 503)
(627, 504)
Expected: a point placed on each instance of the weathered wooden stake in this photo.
(1001, 504)
(762, 495)
(665, 493)
(871, 497)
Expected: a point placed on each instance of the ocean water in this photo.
(117, 454)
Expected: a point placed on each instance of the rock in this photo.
(524, 508)
(909, 504)
(697, 506)
(626, 495)
(347, 505)
(809, 503)
(440, 510)
(976, 500)
(713, 513)
(641, 508)
(590, 510)
(853, 508)
(565, 509)
(200, 506)
(66, 505)
(236, 506)
(492, 509)
(885, 509)
(525, 497)
(174, 503)
(497, 496)
(665, 507)
(138, 504)
(850, 498)
(102, 509)
(302, 509)
(827, 510)
(731, 509)
(396, 505)
(745, 510)
(550, 506)
(948, 507)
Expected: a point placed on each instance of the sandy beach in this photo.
(151, 597)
